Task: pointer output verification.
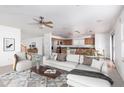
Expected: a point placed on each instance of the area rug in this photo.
(23, 79)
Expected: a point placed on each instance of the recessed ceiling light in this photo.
(99, 20)
(77, 31)
(90, 31)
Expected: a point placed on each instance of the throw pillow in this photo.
(97, 64)
(54, 56)
(73, 58)
(61, 57)
(87, 61)
(81, 59)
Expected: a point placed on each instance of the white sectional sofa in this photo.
(76, 62)
(84, 81)
(72, 62)
(68, 66)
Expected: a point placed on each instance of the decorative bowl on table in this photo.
(50, 71)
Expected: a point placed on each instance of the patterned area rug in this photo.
(23, 79)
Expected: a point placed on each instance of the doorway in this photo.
(113, 47)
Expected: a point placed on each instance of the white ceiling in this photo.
(67, 19)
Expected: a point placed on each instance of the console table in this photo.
(32, 50)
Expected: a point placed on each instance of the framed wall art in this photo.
(8, 44)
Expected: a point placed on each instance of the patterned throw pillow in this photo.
(97, 64)
(87, 61)
(61, 57)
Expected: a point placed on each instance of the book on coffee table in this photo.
(50, 71)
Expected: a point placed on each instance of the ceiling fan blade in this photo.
(48, 26)
(48, 22)
(36, 19)
(77, 31)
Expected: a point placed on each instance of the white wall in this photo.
(47, 44)
(122, 53)
(102, 42)
(39, 43)
(42, 43)
(119, 44)
(9, 32)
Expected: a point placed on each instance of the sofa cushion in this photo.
(53, 56)
(68, 64)
(81, 59)
(72, 58)
(61, 57)
(64, 63)
(87, 61)
(97, 64)
(88, 68)
(88, 81)
(23, 65)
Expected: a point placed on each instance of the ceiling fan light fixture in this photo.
(42, 26)
(90, 31)
(77, 31)
(99, 20)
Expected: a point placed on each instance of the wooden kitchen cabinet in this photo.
(89, 41)
(67, 42)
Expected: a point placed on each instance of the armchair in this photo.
(22, 61)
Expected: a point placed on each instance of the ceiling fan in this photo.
(43, 23)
